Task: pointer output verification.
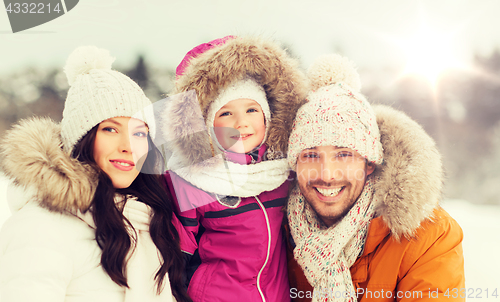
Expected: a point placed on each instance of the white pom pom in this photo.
(85, 58)
(331, 69)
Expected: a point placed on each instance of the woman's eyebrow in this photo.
(112, 121)
(141, 126)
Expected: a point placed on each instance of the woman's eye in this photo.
(109, 129)
(140, 134)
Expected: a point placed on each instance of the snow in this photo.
(481, 245)
(4, 207)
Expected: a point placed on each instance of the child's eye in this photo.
(252, 110)
(109, 129)
(227, 113)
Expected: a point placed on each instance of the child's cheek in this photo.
(223, 135)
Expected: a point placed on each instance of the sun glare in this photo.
(428, 53)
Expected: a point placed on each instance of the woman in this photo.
(95, 229)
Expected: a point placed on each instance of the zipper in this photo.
(268, 248)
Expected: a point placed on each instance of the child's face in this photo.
(240, 126)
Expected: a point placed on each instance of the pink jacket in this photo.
(242, 250)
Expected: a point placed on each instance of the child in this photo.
(93, 231)
(230, 182)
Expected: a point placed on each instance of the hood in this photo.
(216, 69)
(410, 179)
(32, 156)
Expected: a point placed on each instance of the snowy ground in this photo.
(481, 226)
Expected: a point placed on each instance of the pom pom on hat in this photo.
(84, 59)
(331, 69)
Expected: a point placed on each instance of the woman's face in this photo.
(120, 142)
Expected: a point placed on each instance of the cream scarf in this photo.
(223, 177)
(143, 258)
(326, 254)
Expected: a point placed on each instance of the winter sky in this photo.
(374, 34)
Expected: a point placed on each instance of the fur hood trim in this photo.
(411, 178)
(32, 156)
(272, 68)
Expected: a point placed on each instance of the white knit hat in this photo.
(336, 113)
(246, 88)
(98, 93)
(242, 89)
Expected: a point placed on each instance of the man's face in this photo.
(331, 179)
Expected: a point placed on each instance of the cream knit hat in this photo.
(336, 113)
(98, 93)
(246, 88)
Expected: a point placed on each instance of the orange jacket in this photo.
(428, 267)
(427, 262)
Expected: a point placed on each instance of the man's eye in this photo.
(344, 155)
(310, 155)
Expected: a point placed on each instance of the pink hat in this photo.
(193, 53)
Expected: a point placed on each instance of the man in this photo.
(364, 215)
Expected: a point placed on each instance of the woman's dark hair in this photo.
(111, 232)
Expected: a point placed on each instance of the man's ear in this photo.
(370, 167)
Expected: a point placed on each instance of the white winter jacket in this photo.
(53, 257)
(47, 252)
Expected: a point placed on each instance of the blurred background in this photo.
(438, 61)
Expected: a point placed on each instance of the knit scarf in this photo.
(326, 254)
(226, 178)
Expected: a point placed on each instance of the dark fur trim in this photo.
(411, 177)
(268, 64)
(32, 156)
